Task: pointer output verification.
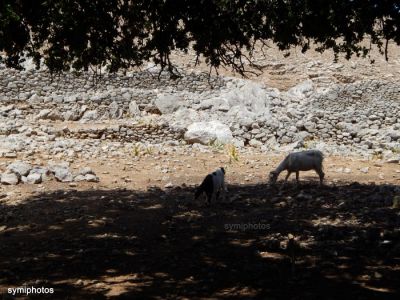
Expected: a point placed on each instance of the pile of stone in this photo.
(23, 172)
(359, 116)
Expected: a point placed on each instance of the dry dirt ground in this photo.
(130, 237)
(283, 72)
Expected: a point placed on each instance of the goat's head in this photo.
(273, 177)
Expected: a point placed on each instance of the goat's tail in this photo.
(320, 154)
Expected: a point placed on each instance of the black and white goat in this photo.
(212, 185)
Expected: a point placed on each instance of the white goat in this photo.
(300, 161)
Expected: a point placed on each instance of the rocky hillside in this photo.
(72, 114)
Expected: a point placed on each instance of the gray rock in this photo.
(393, 161)
(72, 115)
(242, 115)
(90, 115)
(134, 110)
(63, 174)
(9, 178)
(43, 114)
(54, 115)
(115, 112)
(34, 178)
(254, 143)
(310, 127)
(302, 90)
(19, 167)
(86, 170)
(35, 99)
(285, 140)
(10, 155)
(167, 104)
(79, 178)
(91, 178)
(394, 135)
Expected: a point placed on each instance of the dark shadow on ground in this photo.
(162, 245)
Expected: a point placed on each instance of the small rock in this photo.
(79, 178)
(91, 178)
(393, 161)
(9, 179)
(134, 109)
(347, 170)
(364, 170)
(85, 171)
(169, 185)
(10, 155)
(34, 178)
(19, 167)
(63, 174)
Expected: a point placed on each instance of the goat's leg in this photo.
(224, 191)
(287, 176)
(215, 196)
(297, 177)
(321, 175)
(209, 198)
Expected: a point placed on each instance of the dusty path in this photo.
(158, 170)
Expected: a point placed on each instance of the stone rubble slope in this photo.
(23, 172)
(69, 116)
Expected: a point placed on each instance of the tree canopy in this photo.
(85, 34)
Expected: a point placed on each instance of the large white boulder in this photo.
(208, 132)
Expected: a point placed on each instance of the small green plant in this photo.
(139, 150)
(232, 153)
(136, 151)
(216, 145)
(308, 142)
(377, 155)
(395, 150)
(148, 150)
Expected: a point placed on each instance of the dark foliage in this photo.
(85, 34)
